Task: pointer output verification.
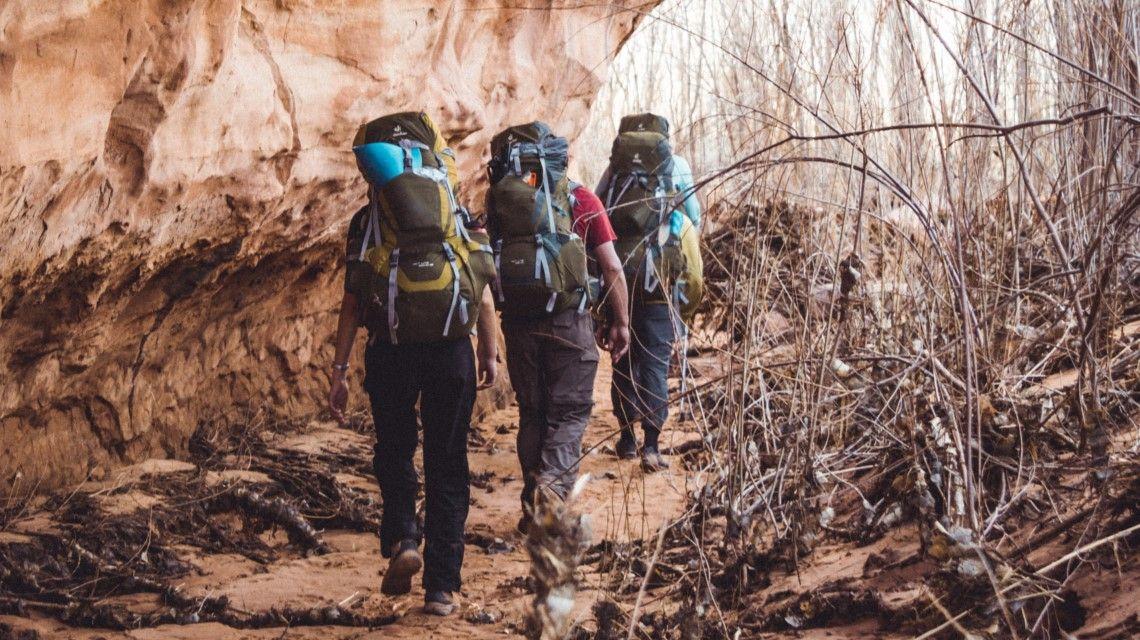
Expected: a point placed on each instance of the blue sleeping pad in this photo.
(380, 162)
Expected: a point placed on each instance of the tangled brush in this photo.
(556, 540)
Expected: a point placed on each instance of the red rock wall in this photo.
(175, 179)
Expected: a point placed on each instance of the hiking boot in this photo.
(406, 562)
(626, 446)
(439, 603)
(652, 460)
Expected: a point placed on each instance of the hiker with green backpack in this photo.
(649, 194)
(416, 274)
(545, 228)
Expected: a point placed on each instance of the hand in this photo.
(488, 370)
(615, 339)
(338, 396)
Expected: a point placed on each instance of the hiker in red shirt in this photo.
(545, 229)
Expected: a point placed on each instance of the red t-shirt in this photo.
(590, 219)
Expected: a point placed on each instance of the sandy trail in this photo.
(623, 504)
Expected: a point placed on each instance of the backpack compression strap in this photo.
(514, 161)
(498, 282)
(393, 291)
(463, 317)
(652, 278)
(440, 176)
(373, 228)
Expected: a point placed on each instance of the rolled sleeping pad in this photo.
(380, 162)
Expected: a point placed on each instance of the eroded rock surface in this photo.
(175, 178)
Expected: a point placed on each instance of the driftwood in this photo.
(276, 510)
(69, 573)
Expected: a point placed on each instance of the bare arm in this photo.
(617, 342)
(488, 349)
(345, 335)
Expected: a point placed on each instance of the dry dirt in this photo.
(623, 504)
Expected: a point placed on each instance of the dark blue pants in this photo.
(640, 388)
(441, 376)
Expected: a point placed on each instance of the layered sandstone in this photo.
(176, 177)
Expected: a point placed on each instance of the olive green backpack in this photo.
(420, 270)
(662, 261)
(541, 261)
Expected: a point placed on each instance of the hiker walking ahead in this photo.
(648, 193)
(416, 276)
(543, 225)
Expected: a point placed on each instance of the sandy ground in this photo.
(621, 501)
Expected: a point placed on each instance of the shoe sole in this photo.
(398, 578)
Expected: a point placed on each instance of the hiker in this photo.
(649, 194)
(417, 270)
(545, 227)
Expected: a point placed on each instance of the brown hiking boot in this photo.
(406, 562)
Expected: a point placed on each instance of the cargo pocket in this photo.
(573, 359)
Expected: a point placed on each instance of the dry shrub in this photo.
(922, 250)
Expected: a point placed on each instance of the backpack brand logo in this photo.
(424, 264)
(636, 157)
(518, 261)
(641, 126)
(399, 132)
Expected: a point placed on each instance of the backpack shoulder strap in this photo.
(571, 187)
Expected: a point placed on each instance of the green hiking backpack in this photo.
(662, 261)
(426, 269)
(541, 262)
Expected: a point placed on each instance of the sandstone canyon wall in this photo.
(175, 179)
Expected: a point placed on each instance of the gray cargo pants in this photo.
(552, 363)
